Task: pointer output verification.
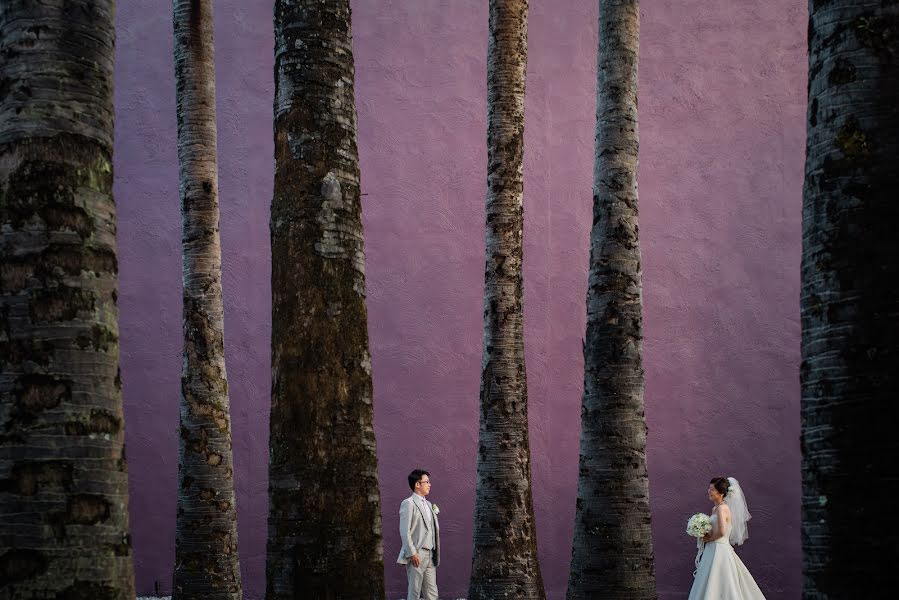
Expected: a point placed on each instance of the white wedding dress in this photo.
(721, 574)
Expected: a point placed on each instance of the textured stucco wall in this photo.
(722, 125)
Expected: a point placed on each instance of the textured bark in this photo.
(206, 560)
(850, 300)
(504, 561)
(324, 532)
(63, 479)
(612, 555)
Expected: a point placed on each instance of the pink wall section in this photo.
(722, 104)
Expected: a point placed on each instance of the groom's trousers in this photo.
(423, 578)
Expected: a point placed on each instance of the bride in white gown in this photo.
(721, 575)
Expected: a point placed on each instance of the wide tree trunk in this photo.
(324, 531)
(63, 479)
(612, 554)
(206, 562)
(504, 561)
(850, 300)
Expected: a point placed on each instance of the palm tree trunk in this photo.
(206, 560)
(324, 536)
(850, 300)
(63, 479)
(504, 561)
(612, 555)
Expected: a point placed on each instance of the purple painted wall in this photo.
(722, 129)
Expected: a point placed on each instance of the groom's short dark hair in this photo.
(415, 476)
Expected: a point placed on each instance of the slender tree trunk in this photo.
(504, 562)
(324, 533)
(63, 479)
(850, 300)
(612, 554)
(206, 561)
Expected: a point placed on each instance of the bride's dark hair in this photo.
(721, 484)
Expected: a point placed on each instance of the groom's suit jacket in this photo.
(414, 527)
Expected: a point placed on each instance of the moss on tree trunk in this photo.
(63, 479)
(206, 559)
(612, 555)
(324, 534)
(504, 560)
(850, 300)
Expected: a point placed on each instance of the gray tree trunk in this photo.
(504, 561)
(612, 555)
(850, 301)
(63, 479)
(206, 561)
(324, 532)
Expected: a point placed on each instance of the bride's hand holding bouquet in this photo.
(699, 526)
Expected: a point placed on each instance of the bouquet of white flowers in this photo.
(699, 525)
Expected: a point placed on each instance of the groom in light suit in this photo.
(420, 534)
